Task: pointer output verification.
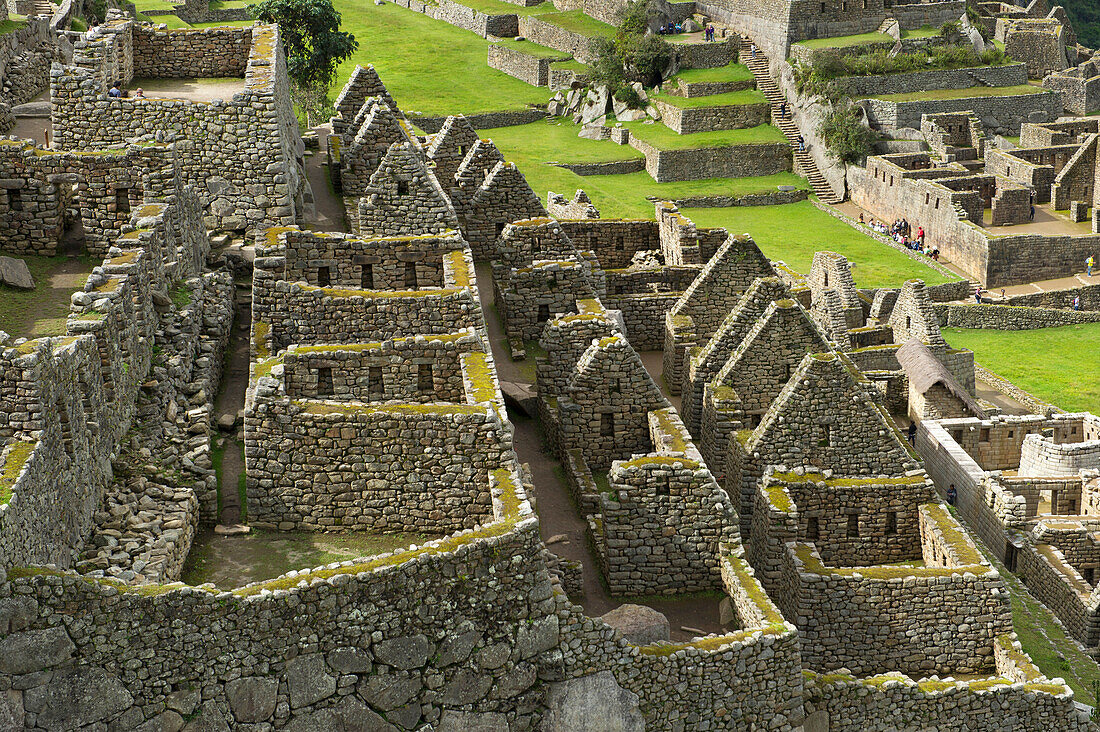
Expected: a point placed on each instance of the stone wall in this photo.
(738, 161)
(1011, 317)
(1000, 115)
(553, 36)
(244, 158)
(900, 630)
(669, 489)
(1041, 456)
(685, 120)
(211, 52)
(1080, 87)
(501, 25)
(25, 56)
(199, 11)
(68, 402)
(615, 241)
(534, 70)
(843, 703)
(919, 81)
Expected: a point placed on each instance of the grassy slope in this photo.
(409, 50)
(1055, 364)
(794, 232)
(844, 41)
(665, 139)
(578, 22)
(499, 7)
(531, 49)
(747, 96)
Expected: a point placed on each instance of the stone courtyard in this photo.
(350, 426)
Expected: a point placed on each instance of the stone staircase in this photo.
(804, 163)
(44, 7)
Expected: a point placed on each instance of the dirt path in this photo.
(230, 400)
(557, 515)
(329, 215)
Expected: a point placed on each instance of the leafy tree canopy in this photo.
(314, 43)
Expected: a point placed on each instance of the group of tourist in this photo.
(117, 92)
(670, 28)
(902, 232)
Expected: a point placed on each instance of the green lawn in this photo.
(732, 72)
(42, 311)
(925, 31)
(793, 233)
(1058, 365)
(572, 65)
(428, 65)
(745, 96)
(578, 22)
(974, 91)
(531, 49)
(499, 7)
(623, 196)
(227, 4)
(845, 41)
(665, 139)
(155, 5)
(11, 24)
(224, 23)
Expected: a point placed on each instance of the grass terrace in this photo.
(793, 233)
(143, 6)
(665, 139)
(974, 91)
(729, 99)
(578, 22)
(499, 7)
(572, 65)
(1058, 365)
(617, 196)
(393, 39)
(531, 49)
(732, 72)
(860, 39)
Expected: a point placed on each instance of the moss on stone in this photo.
(17, 456)
(260, 331)
(477, 370)
(668, 427)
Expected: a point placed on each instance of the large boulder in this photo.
(309, 680)
(77, 697)
(23, 653)
(593, 703)
(639, 624)
(15, 273)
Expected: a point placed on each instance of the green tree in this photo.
(314, 43)
(846, 137)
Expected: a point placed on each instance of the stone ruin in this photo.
(374, 405)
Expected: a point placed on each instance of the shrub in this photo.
(632, 55)
(644, 58)
(845, 136)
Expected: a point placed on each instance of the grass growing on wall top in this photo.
(578, 22)
(844, 41)
(793, 233)
(1058, 365)
(732, 72)
(974, 91)
(746, 96)
(499, 7)
(429, 66)
(531, 49)
(664, 138)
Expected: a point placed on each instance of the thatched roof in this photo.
(925, 371)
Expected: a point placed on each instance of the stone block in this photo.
(638, 624)
(309, 680)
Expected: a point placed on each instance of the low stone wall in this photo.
(556, 37)
(644, 316)
(25, 57)
(738, 161)
(486, 121)
(503, 25)
(1060, 299)
(707, 55)
(1010, 317)
(708, 88)
(1059, 586)
(212, 52)
(775, 198)
(1079, 95)
(685, 120)
(843, 703)
(619, 167)
(918, 81)
(199, 11)
(1000, 115)
(526, 67)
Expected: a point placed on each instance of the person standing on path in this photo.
(802, 145)
(1089, 264)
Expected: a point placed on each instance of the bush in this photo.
(844, 134)
(632, 55)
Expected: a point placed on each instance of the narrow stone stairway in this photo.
(44, 7)
(804, 163)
